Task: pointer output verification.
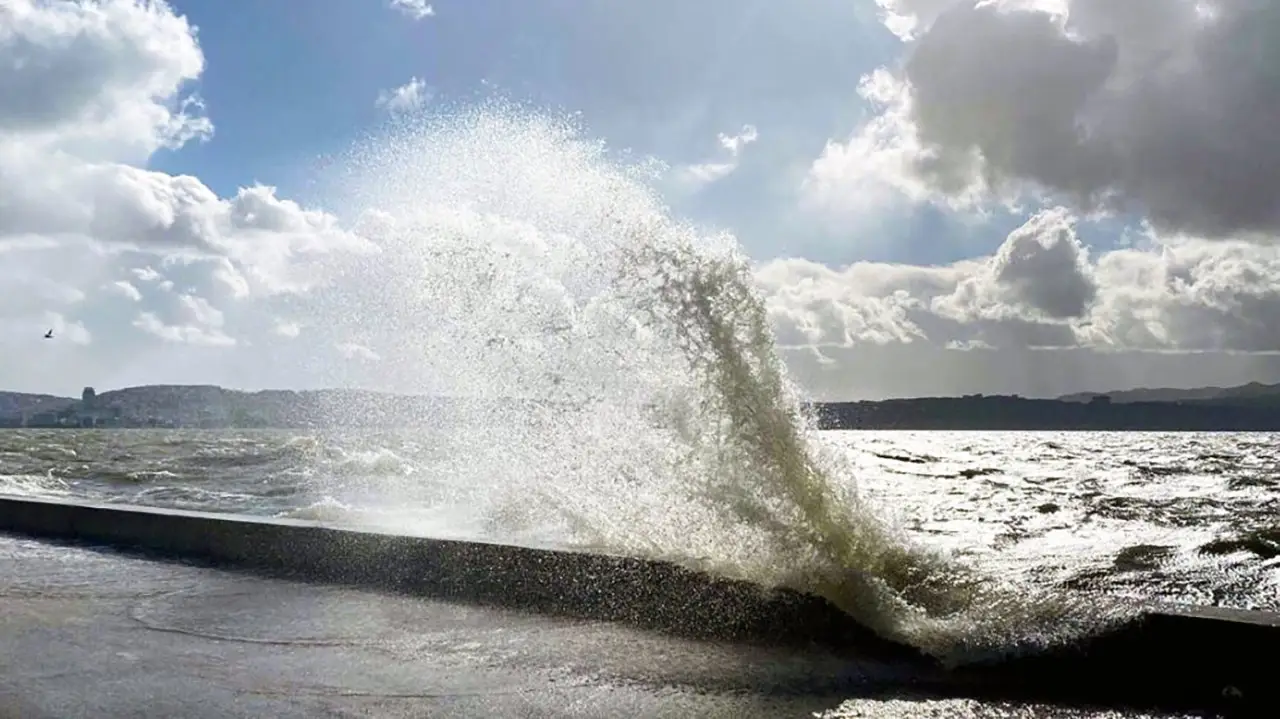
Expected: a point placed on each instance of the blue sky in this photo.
(938, 196)
(662, 79)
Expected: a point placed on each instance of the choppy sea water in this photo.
(1178, 517)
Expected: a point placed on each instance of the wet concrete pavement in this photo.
(92, 633)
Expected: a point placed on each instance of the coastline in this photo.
(1243, 409)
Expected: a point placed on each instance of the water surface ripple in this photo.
(1170, 516)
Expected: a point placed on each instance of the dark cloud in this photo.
(1161, 107)
(1040, 271)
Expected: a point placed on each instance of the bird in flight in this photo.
(48, 335)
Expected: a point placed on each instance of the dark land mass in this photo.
(1251, 391)
(207, 406)
(1018, 413)
(1252, 407)
(19, 402)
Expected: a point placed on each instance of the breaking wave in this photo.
(650, 412)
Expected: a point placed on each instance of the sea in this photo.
(1180, 517)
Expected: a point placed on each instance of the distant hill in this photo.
(1248, 407)
(19, 402)
(1004, 413)
(194, 405)
(212, 406)
(1251, 391)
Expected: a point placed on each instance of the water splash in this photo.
(643, 406)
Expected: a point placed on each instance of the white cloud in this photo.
(182, 334)
(146, 274)
(72, 331)
(92, 91)
(230, 278)
(1146, 106)
(907, 17)
(1150, 108)
(195, 321)
(351, 350)
(200, 311)
(413, 95)
(702, 174)
(99, 81)
(416, 9)
(288, 329)
(126, 289)
(873, 171)
(1040, 288)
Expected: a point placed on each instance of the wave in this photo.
(33, 485)
(519, 259)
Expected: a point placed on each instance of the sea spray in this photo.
(636, 400)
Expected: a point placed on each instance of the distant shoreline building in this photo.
(84, 414)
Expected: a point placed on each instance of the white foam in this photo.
(520, 260)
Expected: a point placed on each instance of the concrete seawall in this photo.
(646, 594)
(1198, 658)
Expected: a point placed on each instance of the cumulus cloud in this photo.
(1156, 107)
(125, 289)
(98, 80)
(146, 274)
(413, 95)
(906, 17)
(1040, 272)
(93, 90)
(1147, 109)
(1105, 106)
(1041, 289)
(731, 146)
(195, 321)
(1040, 315)
(415, 9)
(352, 350)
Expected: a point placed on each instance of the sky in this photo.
(938, 196)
